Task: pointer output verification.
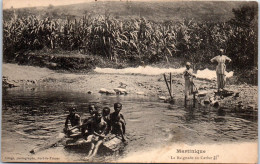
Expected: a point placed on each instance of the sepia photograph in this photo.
(127, 81)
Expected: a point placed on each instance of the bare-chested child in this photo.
(117, 121)
(98, 131)
(74, 120)
(106, 117)
(85, 127)
(92, 109)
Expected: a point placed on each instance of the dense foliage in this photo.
(138, 40)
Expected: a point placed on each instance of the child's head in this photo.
(91, 109)
(106, 111)
(117, 107)
(188, 65)
(72, 110)
(98, 114)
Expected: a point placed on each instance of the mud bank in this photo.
(134, 83)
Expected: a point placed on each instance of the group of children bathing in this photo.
(98, 125)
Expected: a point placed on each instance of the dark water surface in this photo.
(32, 117)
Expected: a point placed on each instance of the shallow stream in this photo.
(31, 117)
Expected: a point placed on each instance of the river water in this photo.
(31, 117)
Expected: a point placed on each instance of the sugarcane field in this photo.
(129, 81)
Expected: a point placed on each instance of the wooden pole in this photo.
(52, 143)
(194, 90)
(194, 100)
(167, 86)
(171, 82)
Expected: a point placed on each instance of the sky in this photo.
(7, 4)
(33, 3)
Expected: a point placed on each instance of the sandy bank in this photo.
(150, 85)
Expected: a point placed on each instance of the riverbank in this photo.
(152, 124)
(130, 83)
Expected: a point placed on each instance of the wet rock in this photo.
(106, 91)
(162, 98)
(120, 91)
(140, 93)
(110, 92)
(51, 64)
(202, 93)
(214, 103)
(200, 101)
(103, 90)
(212, 87)
(206, 101)
(227, 93)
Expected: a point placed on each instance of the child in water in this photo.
(98, 131)
(74, 120)
(106, 118)
(106, 112)
(117, 121)
(92, 109)
(85, 127)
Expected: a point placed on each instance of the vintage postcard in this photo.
(130, 81)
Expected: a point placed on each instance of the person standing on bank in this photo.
(221, 69)
(188, 77)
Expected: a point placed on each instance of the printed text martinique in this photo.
(195, 151)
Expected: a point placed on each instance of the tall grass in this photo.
(136, 40)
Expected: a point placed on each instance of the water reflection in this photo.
(33, 117)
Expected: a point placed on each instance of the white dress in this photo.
(188, 76)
